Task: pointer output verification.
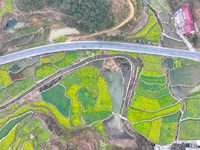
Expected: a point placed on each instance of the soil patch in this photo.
(62, 32)
(170, 43)
(114, 128)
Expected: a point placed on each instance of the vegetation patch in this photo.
(151, 21)
(70, 57)
(160, 131)
(21, 111)
(136, 115)
(152, 87)
(149, 79)
(19, 86)
(154, 34)
(3, 95)
(179, 62)
(190, 130)
(169, 128)
(53, 59)
(56, 96)
(61, 39)
(99, 128)
(8, 7)
(8, 140)
(7, 66)
(28, 146)
(103, 94)
(75, 106)
(44, 71)
(116, 52)
(8, 127)
(153, 62)
(192, 108)
(151, 73)
(85, 76)
(4, 78)
(62, 120)
(90, 112)
(157, 95)
(151, 129)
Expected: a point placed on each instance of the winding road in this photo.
(90, 45)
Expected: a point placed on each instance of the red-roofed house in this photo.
(184, 21)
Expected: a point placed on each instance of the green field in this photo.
(154, 34)
(53, 59)
(7, 7)
(85, 76)
(3, 95)
(8, 127)
(151, 73)
(153, 62)
(99, 128)
(151, 21)
(19, 86)
(149, 104)
(192, 108)
(157, 95)
(4, 78)
(44, 71)
(160, 131)
(136, 115)
(103, 94)
(7, 66)
(56, 96)
(62, 120)
(149, 79)
(68, 60)
(28, 146)
(90, 112)
(116, 52)
(153, 88)
(190, 130)
(75, 107)
(8, 140)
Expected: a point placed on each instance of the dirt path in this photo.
(128, 18)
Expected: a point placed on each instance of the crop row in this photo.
(103, 94)
(44, 71)
(157, 95)
(192, 109)
(153, 88)
(116, 52)
(136, 115)
(190, 130)
(154, 34)
(151, 21)
(151, 73)
(85, 76)
(75, 106)
(70, 57)
(4, 78)
(153, 62)
(53, 59)
(149, 79)
(160, 131)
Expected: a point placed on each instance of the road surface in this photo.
(124, 47)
